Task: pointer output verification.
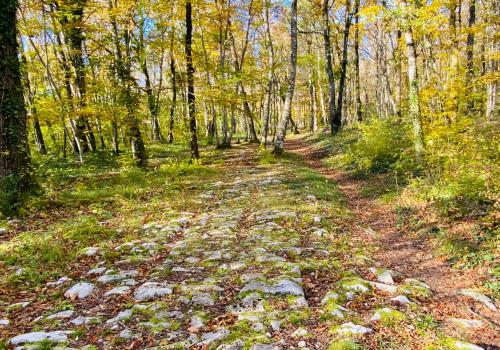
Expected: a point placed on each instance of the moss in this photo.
(297, 317)
(390, 317)
(344, 344)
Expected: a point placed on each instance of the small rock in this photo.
(110, 278)
(61, 315)
(350, 328)
(122, 316)
(4, 322)
(474, 294)
(302, 344)
(20, 305)
(237, 345)
(383, 276)
(128, 334)
(80, 290)
(82, 320)
(401, 299)
(3, 231)
(60, 281)
(330, 296)
(459, 345)
(152, 290)
(385, 287)
(196, 322)
(467, 323)
(55, 336)
(209, 338)
(275, 325)
(264, 347)
(203, 299)
(117, 291)
(288, 287)
(258, 327)
(97, 271)
(90, 251)
(300, 332)
(192, 260)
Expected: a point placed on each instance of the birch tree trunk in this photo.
(413, 97)
(279, 142)
(266, 114)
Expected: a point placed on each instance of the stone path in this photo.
(260, 268)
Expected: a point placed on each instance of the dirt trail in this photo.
(376, 223)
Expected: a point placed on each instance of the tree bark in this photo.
(190, 82)
(279, 143)
(266, 114)
(40, 143)
(126, 95)
(334, 123)
(15, 164)
(343, 67)
(470, 57)
(71, 16)
(359, 111)
(414, 99)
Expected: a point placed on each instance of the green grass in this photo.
(98, 201)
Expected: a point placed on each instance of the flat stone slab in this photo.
(474, 294)
(203, 299)
(284, 286)
(117, 291)
(467, 323)
(209, 338)
(82, 320)
(401, 299)
(350, 328)
(384, 287)
(152, 290)
(459, 345)
(55, 336)
(80, 290)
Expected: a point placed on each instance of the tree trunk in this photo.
(190, 82)
(170, 138)
(343, 73)
(470, 57)
(15, 164)
(116, 140)
(359, 112)
(266, 114)
(279, 143)
(101, 135)
(334, 123)
(127, 97)
(249, 115)
(71, 16)
(413, 97)
(40, 143)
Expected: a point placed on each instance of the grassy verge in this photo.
(456, 214)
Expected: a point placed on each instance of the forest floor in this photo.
(243, 251)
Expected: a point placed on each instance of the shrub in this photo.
(383, 145)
